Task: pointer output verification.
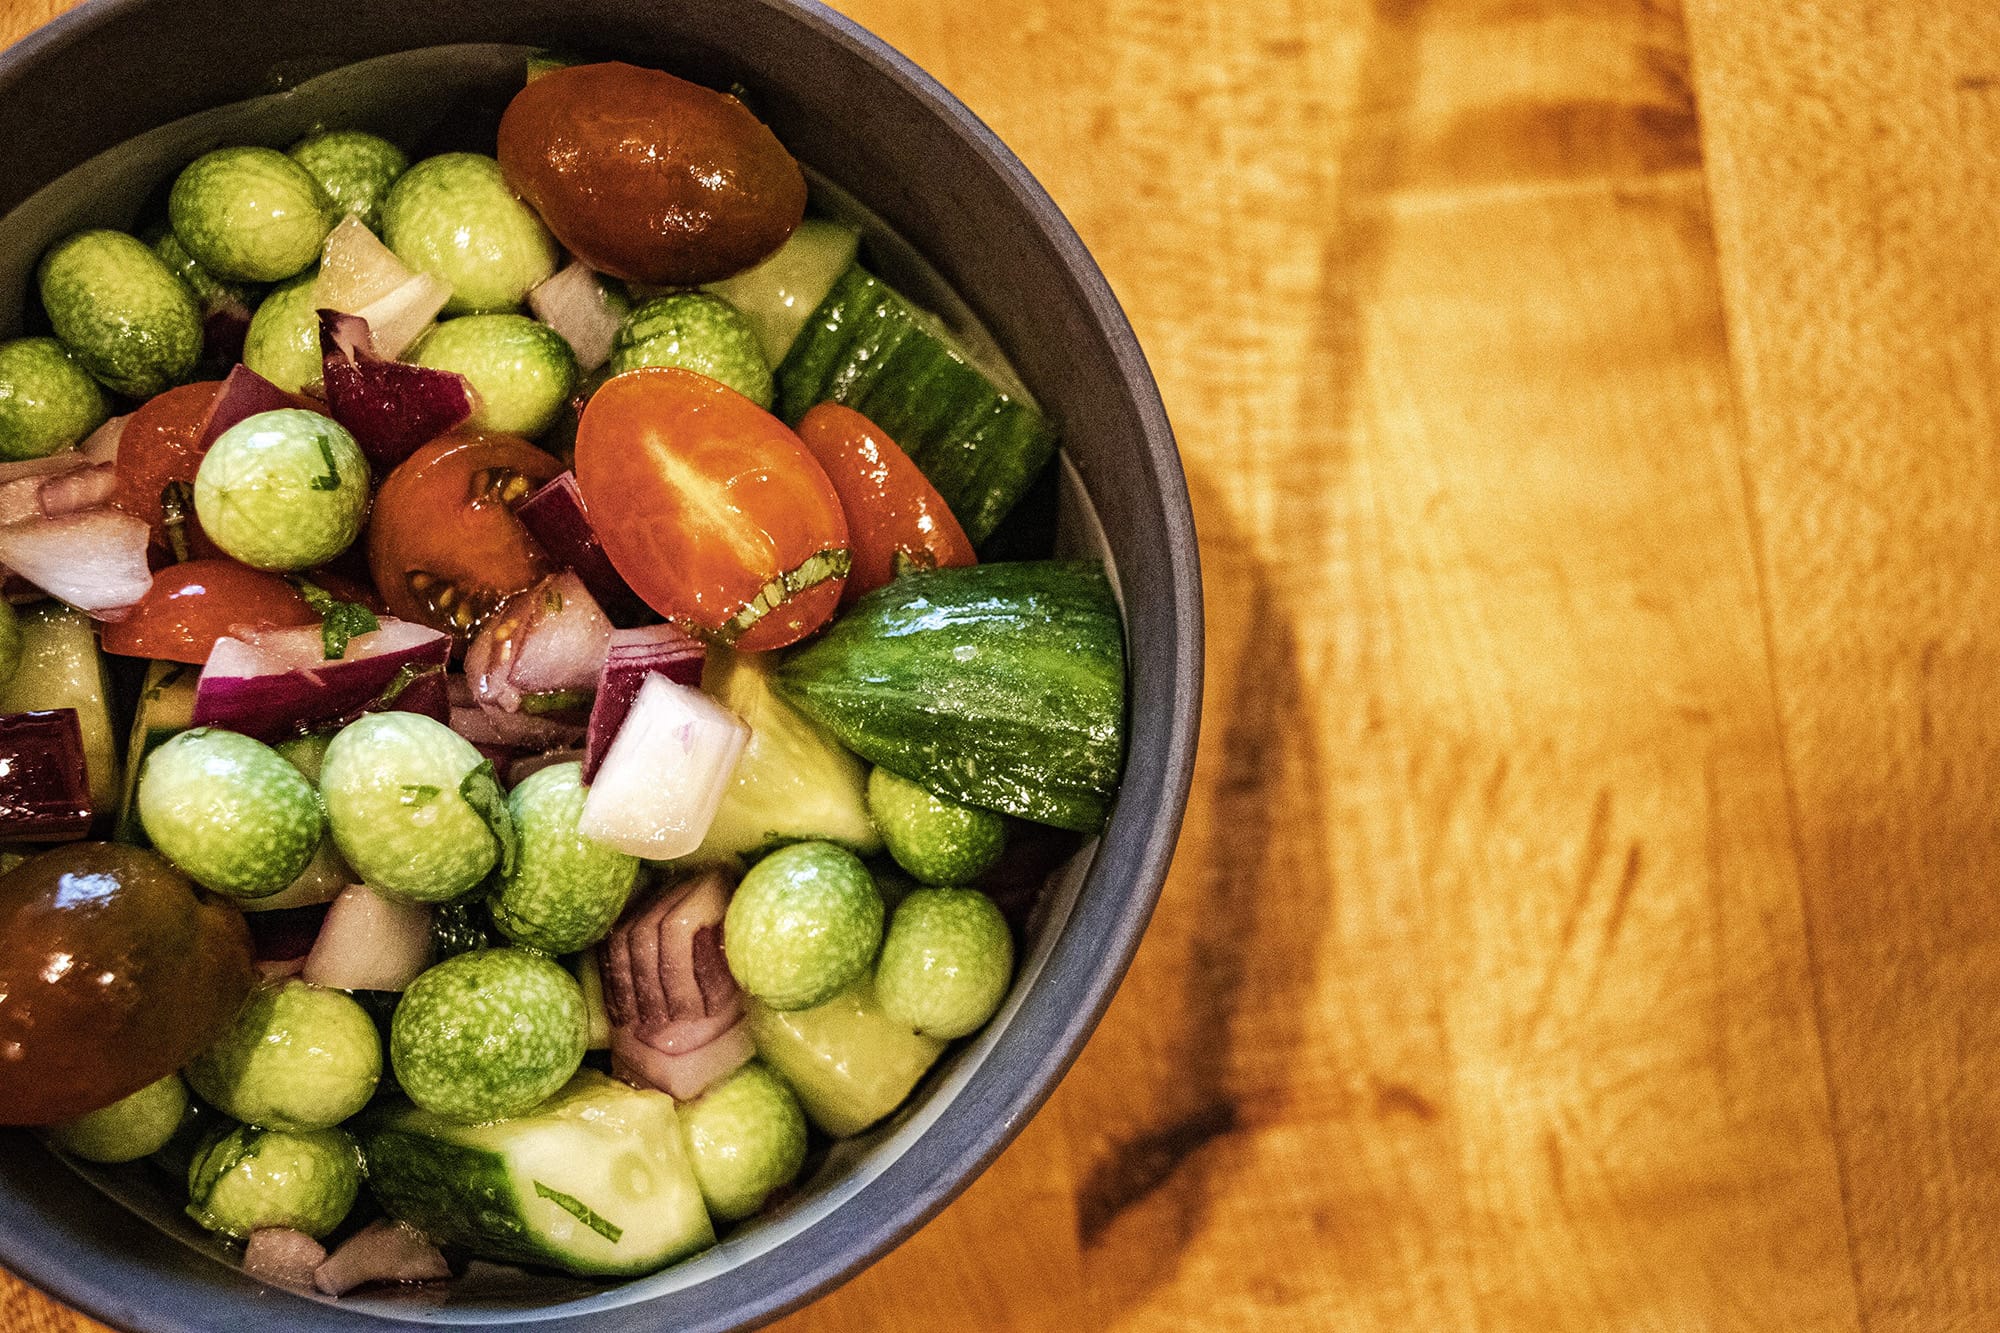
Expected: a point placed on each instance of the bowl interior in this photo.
(437, 97)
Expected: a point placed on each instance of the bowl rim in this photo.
(939, 1166)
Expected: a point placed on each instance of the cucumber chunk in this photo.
(867, 347)
(794, 782)
(166, 708)
(595, 1181)
(850, 1063)
(999, 686)
(61, 667)
(779, 295)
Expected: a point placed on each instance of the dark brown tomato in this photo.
(114, 973)
(648, 177)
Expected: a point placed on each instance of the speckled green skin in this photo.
(244, 1179)
(250, 214)
(746, 1136)
(132, 324)
(283, 342)
(297, 1057)
(566, 890)
(803, 925)
(699, 332)
(229, 811)
(938, 841)
(209, 290)
(48, 401)
(453, 216)
(355, 168)
(128, 1129)
(524, 371)
(488, 1035)
(283, 490)
(946, 962)
(391, 786)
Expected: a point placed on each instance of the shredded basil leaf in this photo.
(581, 1211)
(407, 675)
(331, 481)
(176, 504)
(338, 621)
(419, 793)
(481, 790)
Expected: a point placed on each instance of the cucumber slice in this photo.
(595, 1181)
(865, 346)
(779, 295)
(850, 1063)
(62, 668)
(166, 708)
(794, 783)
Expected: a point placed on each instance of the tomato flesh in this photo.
(444, 546)
(892, 509)
(192, 604)
(158, 448)
(711, 509)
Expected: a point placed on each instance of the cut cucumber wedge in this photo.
(595, 1181)
(62, 668)
(781, 294)
(794, 782)
(850, 1063)
(166, 708)
(869, 348)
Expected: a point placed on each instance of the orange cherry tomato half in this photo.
(192, 604)
(444, 546)
(892, 508)
(714, 512)
(157, 449)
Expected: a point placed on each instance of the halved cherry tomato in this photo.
(192, 604)
(892, 509)
(444, 546)
(711, 509)
(159, 448)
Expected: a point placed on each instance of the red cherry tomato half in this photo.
(159, 448)
(714, 512)
(191, 605)
(892, 509)
(444, 546)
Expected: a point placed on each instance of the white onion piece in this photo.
(282, 1255)
(659, 786)
(575, 304)
(682, 1077)
(400, 318)
(356, 269)
(369, 942)
(95, 561)
(382, 1251)
(303, 647)
(101, 445)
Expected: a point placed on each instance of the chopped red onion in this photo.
(94, 560)
(44, 780)
(686, 1076)
(661, 781)
(272, 684)
(100, 446)
(633, 655)
(676, 1013)
(549, 640)
(382, 1251)
(392, 409)
(575, 304)
(513, 733)
(400, 317)
(225, 326)
(284, 1256)
(555, 517)
(370, 943)
(245, 394)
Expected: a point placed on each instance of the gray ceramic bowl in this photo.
(869, 124)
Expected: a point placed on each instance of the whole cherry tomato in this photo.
(710, 509)
(444, 546)
(649, 177)
(192, 604)
(892, 509)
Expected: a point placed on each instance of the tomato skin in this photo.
(891, 506)
(444, 520)
(159, 446)
(649, 177)
(703, 501)
(192, 604)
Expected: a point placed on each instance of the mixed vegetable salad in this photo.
(578, 763)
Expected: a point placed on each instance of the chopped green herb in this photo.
(481, 790)
(419, 793)
(338, 621)
(176, 503)
(331, 481)
(406, 676)
(556, 701)
(581, 1211)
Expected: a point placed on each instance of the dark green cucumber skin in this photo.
(453, 1194)
(1000, 686)
(864, 347)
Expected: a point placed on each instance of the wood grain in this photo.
(1584, 917)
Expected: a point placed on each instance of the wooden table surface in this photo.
(1586, 915)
